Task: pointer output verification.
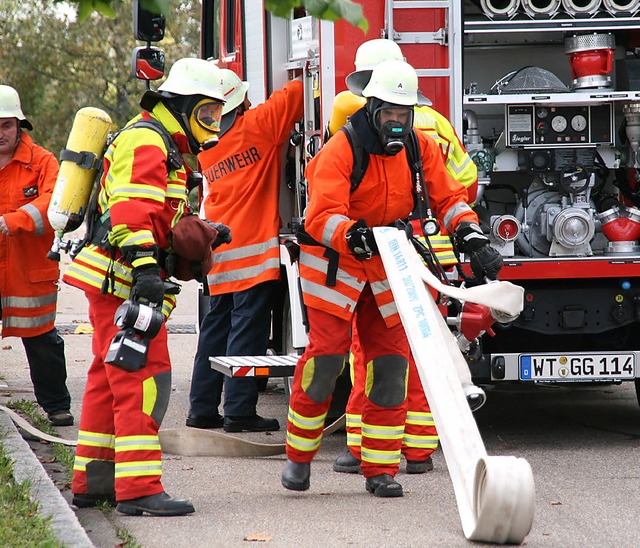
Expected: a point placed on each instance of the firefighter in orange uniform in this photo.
(28, 280)
(142, 196)
(420, 436)
(341, 220)
(243, 175)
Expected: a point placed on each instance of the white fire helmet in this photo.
(234, 90)
(393, 82)
(10, 106)
(191, 76)
(368, 55)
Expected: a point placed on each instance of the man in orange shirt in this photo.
(243, 174)
(28, 289)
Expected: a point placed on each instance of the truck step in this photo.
(255, 366)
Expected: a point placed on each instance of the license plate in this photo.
(577, 367)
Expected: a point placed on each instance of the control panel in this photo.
(559, 126)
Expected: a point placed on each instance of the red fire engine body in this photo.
(546, 97)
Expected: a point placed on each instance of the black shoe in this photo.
(295, 475)
(156, 505)
(419, 466)
(383, 485)
(347, 464)
(89, 500)
(194, 421)
(250, 424)
(60, 418)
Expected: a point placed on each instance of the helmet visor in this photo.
(207, 114)
(393, 121)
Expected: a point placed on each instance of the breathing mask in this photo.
(393, 123)
(204, 122)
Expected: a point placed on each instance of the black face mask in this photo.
(392, 133)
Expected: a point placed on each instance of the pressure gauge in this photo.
(578, 123)
(558, 124)
(542, 112)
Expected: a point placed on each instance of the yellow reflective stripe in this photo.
(136, 191)
(306, 423)
(417, 417)
(354, 421)
(176, 190)
(380, 457)
(420, 442)
(96, 439)
(149, 395)
(80, 463)
(138, 468)
(354, 439)
(303, 444)
(382, 432)
(137, 443)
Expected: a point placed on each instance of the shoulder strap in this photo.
(174, 158)
(360, 155)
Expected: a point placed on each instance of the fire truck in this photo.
(545, 95)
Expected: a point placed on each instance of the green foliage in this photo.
(59, 65)
(331, 10)
(20, 523)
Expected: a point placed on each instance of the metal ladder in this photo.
(450, 36)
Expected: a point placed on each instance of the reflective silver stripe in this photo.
(128, 468)
(303, 444)
(25, 323)
(243, 273)
(138, 238)
(354, 421)
(458, 169)
(420, 441)
(306, 423)
(254, 250)
(321, 265)
(29, 302)
(377, 456)
(388, 310)
(330, 228)
(416, 417)
(456, 210)
(327, 294)
(389, 432)
(140, 191)
(95, 439)
(34, 213)
(380, 287)
(354, 439)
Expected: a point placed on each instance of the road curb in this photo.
(27, 467)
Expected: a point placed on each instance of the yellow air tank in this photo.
(79, 162)
(344, 105)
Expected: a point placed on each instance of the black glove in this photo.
(148, 286)
(361, 241)
(486, 261)
(224, 233)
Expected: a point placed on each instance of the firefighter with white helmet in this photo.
(243, 178)
(28, 280)
(142, 199)
(342, 275)
(420, 435)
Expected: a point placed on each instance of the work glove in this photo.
(148, 286)
(486, 261)
(224, 234)
(361, 241)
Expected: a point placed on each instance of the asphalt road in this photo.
(582, 443)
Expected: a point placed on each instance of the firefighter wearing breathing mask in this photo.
(142, 195)
(342, 221)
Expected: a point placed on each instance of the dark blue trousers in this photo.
(47, 366)
(238, 324)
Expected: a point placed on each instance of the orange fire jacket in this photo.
(243, 172)
(383, 196)
(28, 280)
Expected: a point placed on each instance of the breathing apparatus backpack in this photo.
(75, 193)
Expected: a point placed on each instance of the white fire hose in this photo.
(495, 495)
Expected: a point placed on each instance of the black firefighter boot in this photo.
(295, 475)
(383, 485)
(156, 505)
